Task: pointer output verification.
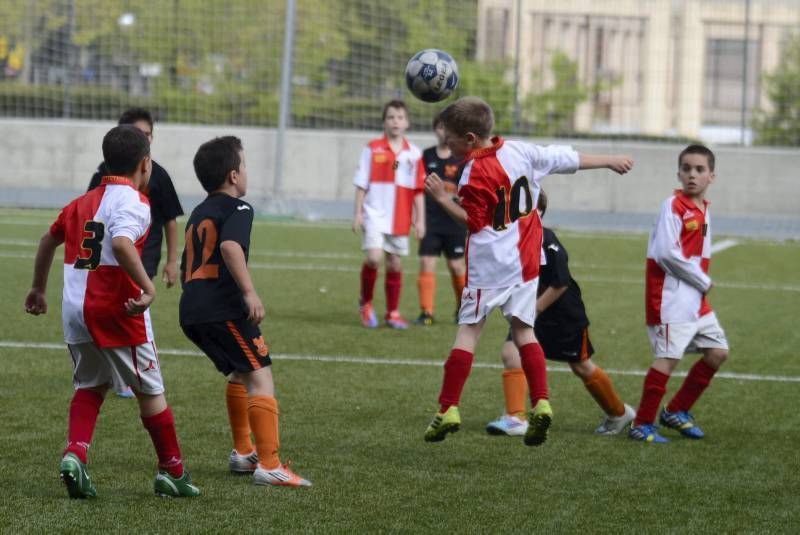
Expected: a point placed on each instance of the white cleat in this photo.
(613, 425)
(282, 476)
(243, 464)
(507, 425)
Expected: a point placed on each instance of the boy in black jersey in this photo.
(220, 310)
(443, 235)
(562, 329)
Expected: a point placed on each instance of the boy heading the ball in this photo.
(104, 309)
(498, 191)
(220, 310)
(679, 317)
(389, 198)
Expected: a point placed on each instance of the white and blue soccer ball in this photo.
(431, 75)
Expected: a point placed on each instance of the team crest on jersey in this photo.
(379, 158)
(450, 170)
(691, 225)
(261, 346)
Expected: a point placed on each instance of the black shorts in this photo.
(564, 346)
(435, 243)
(234, 345)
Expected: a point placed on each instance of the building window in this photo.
(724, 79)
(497, 30)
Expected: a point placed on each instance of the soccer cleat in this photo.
(443, 423)
(242, 464)
(126, 393)
(646, 433)
(396, 321)
(424, 319)
(368, 317)
(174, 487)
(539, 419)
(682, 421)
(612, 425)
(282, 476)
(76, 478)
(507, 425)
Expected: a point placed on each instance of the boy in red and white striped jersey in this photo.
(104, 309)
(498, 192)
(389, 197)
(679, 317)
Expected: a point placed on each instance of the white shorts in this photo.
(517, 301)
(388, 242)
(672, 340)
(135, 366)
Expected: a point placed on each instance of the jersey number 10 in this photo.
(508, 209)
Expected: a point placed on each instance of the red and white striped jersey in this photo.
(678, 257)
(391, 181)
(95, 286)
(499, 189)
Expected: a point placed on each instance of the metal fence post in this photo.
(286, 96)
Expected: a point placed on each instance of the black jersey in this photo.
(164, 206)
(210, 294)
(568, 312)
(449, 170)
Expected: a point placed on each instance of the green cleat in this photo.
(76, 478)
(539, 420)
(449, 422)
(175, 487)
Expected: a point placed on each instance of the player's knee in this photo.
(583, 369)
(716, 357)
(510, 356)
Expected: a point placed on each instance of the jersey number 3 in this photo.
(508, 209)
(206, 233)
(92, 242)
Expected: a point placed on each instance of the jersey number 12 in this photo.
(207, 235)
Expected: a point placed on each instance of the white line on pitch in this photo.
(722, 245)
(410, 362)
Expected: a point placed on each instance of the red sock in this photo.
(393, 284)
(535, 369)
(692, 388)
(655, 386)
(456, 371)
(368, 276)
(83, 411)
(161, 427)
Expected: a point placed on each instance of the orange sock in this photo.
(458, 286)
(514, 389)
(600, 387)
(426, 284)
(236, 399)
(263, 414)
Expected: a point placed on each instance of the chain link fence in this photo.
(718, 70)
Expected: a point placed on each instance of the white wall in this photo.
(48, 160)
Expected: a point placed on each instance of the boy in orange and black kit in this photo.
(220, 311)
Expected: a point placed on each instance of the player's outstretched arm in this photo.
(233, 256)
(435, 187)
(618, 163)
(36, 300)
(128, 258)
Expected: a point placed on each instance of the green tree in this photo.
(552, 112)
(780, 125)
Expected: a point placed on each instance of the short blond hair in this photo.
(469, 114)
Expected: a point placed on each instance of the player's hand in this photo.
(134, 307)
(435, 186)
(620, 164)
(170, 274)
(358, 223)
(255, 308)
(419, 229)
(36, 302)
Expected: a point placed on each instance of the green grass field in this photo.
(353, 417)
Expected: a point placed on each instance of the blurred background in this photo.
(303, 82)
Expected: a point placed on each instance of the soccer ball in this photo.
(431, 75)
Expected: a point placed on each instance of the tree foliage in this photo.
(780, 125)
